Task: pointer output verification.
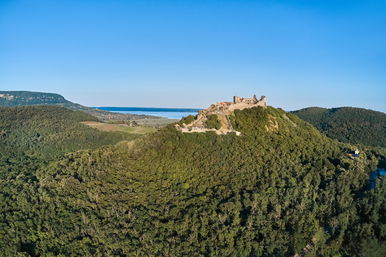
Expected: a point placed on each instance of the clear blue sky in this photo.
(298, 53)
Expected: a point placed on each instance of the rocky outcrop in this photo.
(6, 96)
(222, 110)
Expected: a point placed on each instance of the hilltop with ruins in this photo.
(216, 117)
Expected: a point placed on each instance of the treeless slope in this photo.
(119, 127)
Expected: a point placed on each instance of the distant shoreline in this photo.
(147, 109)
(170, 113)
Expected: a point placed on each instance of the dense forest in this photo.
(30, 138)
(348, 124)
(281, 188)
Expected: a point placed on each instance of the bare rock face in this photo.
(6, 96)
(222, 110)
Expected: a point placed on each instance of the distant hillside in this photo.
(348, 124)
(17, 98)
(25, 98)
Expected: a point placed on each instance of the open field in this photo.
(119, 127)
(156, 122)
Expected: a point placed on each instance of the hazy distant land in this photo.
(170, 113)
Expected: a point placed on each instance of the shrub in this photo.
(213, 122)
(188, 119)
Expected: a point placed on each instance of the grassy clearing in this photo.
(119, 127)
(160, 122)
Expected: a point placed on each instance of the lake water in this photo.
(170, 113)
(376, 174)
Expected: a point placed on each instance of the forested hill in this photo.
(26, 98)
(19, 98)
(348, 124)
(277, 188)
(30, 138)
(47, 132)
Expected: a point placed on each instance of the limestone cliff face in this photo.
(222, 110)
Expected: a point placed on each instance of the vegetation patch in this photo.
(187, 120)
(213, 122)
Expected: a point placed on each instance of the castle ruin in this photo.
(222, 110)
